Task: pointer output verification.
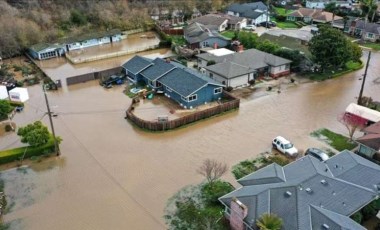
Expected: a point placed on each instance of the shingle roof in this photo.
(370, 27)
(159, 68)
(237, 64)
(137, 64)
(183, 82)
(312, 193)
(317, 14)
(370, 140)
(374, 128)
(211, 21)
(272, 173)
(248, 10)
(196, 32)
(331, 219)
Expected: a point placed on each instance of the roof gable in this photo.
(272, 173)
(137, 64)
(159, 68)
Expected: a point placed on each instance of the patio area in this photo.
(161, 106)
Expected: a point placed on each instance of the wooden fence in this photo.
(92, 76)
(232, 103)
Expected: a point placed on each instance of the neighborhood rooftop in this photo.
(137, 64)
(211, 21)
(248, 10)
(308, 193)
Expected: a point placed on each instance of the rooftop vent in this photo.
(308, 190)
(336, 166)
(325, 226)
(324, 182)
(288, 194)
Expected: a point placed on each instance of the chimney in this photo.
(215, 45)
(239, 48)
(238, 212)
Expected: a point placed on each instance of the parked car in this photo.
(317, 153)
(250, 27)
(270, 24)
(284, 146)
(19, 108)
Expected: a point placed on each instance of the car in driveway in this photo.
(284, 146)
(250, 27)
(270, 24)
(317, 153)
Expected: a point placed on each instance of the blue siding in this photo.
(209, 42)
(204, 95)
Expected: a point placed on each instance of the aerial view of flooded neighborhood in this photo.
(190, 114)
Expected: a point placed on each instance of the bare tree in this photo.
(352, 122)
(212, 170)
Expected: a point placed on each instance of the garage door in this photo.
(239, 81)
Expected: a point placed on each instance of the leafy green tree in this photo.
(35, 134)
(269, 221)
(294, 55)
(268, 46)
(5, 109)
(248, 39)
(330, 48)
(211, 192)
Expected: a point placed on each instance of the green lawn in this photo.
(335, 140)
(282, 11)
(287, 25)
(328, 74)
(228, 34)
(374, 46)
(178, 40)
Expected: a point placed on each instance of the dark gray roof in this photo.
(196, 32)
(272, 173)
(159, 68)
(137, 64)
(310, 192)
(237, 64)
(248, 10)
(211, 21)
(182, 82)
(370, 27)
(321, 216)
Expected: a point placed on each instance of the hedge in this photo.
(11, 155)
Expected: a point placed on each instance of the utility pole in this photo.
(364, 77)
(56, 146)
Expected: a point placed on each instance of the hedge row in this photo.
(11, 155)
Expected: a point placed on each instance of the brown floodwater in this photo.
(112, 175)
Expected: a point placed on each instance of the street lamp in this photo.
(56, 146)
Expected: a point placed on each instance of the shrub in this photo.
(252, 82)
(280, 18)
(212, 191)
(211, 62)
(229, 88)
(357, 217)
(8, 128)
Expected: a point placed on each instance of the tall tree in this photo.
(368, 7)
(352, 123)
(5, 109)
(331, 48)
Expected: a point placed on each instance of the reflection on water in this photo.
(118, 177)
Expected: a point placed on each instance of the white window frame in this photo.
(218, 90)
(169, 89)
(184, 98)
(194, 95)
(372, 35)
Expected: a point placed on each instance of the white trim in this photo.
(169, 89)
(219, 88)
(189, 100)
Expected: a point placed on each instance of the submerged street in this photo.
(112, 175)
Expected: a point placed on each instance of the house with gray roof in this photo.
(212, 22)
(44, 51)
(306, 194)
(255, 12)
(199, 36)
(238, 69)
(357, 27)
(183, 85)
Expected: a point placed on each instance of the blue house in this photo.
(135, 66)
(183, 85)
(159, 68)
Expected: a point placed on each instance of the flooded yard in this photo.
(112, 175)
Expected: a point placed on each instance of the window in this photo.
(192, 98)
(169, 89)
(370, 35)
(218, 90)
(158, 84)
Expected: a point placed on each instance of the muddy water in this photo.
(115, 176)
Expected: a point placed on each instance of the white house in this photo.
(3, 92)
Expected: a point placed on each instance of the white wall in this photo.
(315, 5)
(3, 92)
(223, 26)
(278, 69)
(202, 63)
(262, 18)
